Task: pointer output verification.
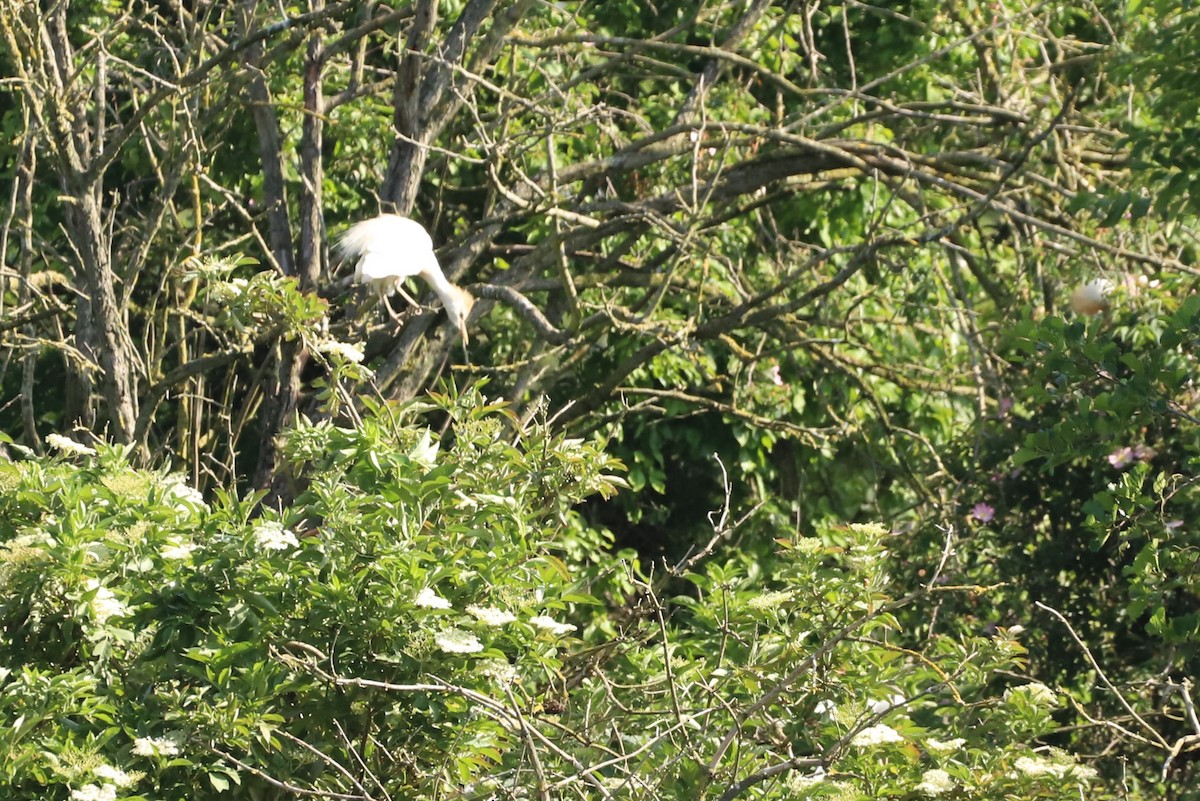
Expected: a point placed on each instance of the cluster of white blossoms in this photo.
(1037, 766)
(175, 549)
(228, 290)
(68, 446)
(460, 641)
(1038, 694)
(499, 670)
(113, 775)
(181, 495)
(935, 782)
(864, 557)
(343, 350)
(431, 600)
(547, 623)
(490, 615)
(457, 641)
(769, 600)
(95, 792)
(939, 747)
(32, 539)
(272, 536)
(878, 734)
(104, 604)
(155, 746)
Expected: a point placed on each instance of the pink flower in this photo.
(1123, 457)
(983, 513)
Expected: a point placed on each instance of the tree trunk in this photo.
(102, 334)
(285, 395)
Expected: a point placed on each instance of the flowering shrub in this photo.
(430, 619)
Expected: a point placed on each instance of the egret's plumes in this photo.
(391, 248)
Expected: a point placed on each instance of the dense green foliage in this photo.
(783, 452)
(403, 630)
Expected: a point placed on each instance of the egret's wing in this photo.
(376, 266)
(387, 246)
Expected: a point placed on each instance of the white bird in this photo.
(389, 249)
(1092, 298)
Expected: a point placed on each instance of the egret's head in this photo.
(458, 303)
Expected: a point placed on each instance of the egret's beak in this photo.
(462, 329)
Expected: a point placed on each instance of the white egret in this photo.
(1092, 298)
(389, 249)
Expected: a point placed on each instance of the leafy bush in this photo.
(1083, 496)
(430, 619)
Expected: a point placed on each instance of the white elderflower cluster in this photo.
(498, 670)
(95, 792)
(864, 557)
(1037, 766)
(1038, 694)
(490, 615)
(431, 600)
(769, 600)
(182, 496)
(272, 536)
(155, 746)
(872, 530)
(174, 549)
(799, 782)
(940, 747)
(113, 775)
(32, 539)
(1083, 773)
(68, 446)
(547, 623)
(457, 641)
(343, 350)
(222, 291)
(879, 734)
(104, 604)
(935, 782)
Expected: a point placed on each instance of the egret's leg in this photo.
(407, 296)
(388, 308)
